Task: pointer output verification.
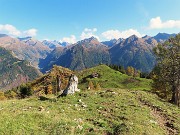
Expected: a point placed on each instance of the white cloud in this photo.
(156, 23)
(13, 31)
(30, 32)
(9, 29)
(71, 39)
(87, 33)
(116, 34)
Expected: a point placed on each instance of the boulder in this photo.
(72, 86)
(94, 75)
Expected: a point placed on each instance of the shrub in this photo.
(2, 97)
(25, 90)
(10, 94)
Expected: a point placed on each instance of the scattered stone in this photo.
(80, 127)
(91, 129)
(79, 100)
(114, 93)
(83, 105)
(24, 109)
(80, 120)
(41, 108)
(152, 121)
(95, 75)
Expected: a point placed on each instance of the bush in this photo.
(10, 94)
(25, 90)
(2, 97)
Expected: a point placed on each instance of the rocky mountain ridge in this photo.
(132, 51)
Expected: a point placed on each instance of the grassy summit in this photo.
(110, 78)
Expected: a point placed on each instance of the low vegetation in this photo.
(106, 111)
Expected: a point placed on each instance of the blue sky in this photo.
(72, 20)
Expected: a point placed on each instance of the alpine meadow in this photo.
(89, 67)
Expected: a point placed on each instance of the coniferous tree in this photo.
(167, 71)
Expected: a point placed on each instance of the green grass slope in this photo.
(108, 111)
(110, 78)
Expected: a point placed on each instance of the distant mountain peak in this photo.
(133, 36)
(88, 40)
(162, 37)
(146, 36)
(131, 39)
(91, 38)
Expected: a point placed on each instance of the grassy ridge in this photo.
(110, 78)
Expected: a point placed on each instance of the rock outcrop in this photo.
(72, 86)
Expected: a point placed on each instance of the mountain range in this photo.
(133, 51)
(83, 54)
(27, 48)
(21, 58)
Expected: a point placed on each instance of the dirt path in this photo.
(162, 119)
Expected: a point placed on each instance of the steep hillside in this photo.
(135, 52)
(13, 71)
(25, 48)
(86, 53)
